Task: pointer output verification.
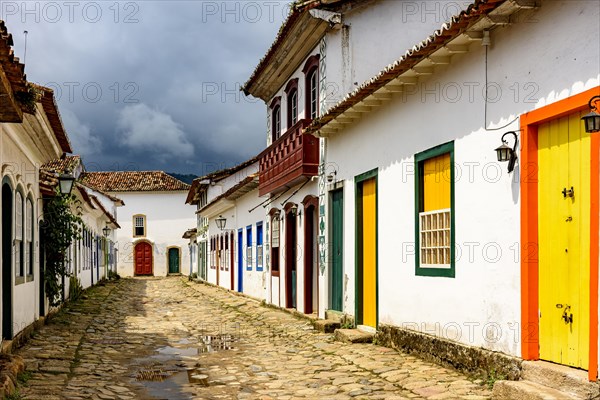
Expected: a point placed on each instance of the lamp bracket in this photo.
(593, 101)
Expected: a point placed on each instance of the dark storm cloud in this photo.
(151, 84)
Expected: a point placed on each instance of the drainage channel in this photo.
(173, 372)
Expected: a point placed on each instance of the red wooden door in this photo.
(143, 259)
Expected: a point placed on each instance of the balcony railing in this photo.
(289, 159)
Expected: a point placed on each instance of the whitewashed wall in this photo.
(276, 294)
(254, 281)
(23, 149)
(485, 294)
(167, 216)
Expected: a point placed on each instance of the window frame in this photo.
(311, 68)
(275, 222)
(419, 159)
(249, 258)
(260, 257)
(145, 227)
(19, 238)
(275, 110)
(291, 92)
(29, 235)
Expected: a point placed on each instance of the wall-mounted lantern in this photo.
(65, 183)
(506, 153)
(221, 222)
(106, 231)
(592, 120)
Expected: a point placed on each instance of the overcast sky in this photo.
(150, 84)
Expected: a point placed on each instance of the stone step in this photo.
(326, 325)
(334, 315)
(560, 377)
(353, 336)
(527, 390)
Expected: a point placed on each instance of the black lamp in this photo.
(221, 222)
(506, 153)
(592, 120)
(106, 231)
(65, 183)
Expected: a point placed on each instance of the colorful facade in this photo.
(462, 250)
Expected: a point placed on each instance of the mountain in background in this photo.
(187, 178)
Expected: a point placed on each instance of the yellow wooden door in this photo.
(369, 261)
(564, 241)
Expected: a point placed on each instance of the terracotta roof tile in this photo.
(63, 164)
(134, 181)
(215, 176)
(48, 182)
(13, 72)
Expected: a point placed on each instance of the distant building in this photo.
(152, 220)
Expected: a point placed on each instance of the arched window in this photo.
(19, 253)
(275, 119)
(291, 91)
(29, 256)
(311, 73)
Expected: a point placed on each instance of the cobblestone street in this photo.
(170, 339)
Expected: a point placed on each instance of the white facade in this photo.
(481, 306)
(21, 157)
(166, 216)
(254, 271)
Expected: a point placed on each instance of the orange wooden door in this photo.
(143, 259)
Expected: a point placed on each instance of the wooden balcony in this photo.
(288, 160)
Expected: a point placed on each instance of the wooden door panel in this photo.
(564, 246)
(369, 239)
(143, 259)
(337, 249)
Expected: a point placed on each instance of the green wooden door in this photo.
(173, 261)
(336, 224)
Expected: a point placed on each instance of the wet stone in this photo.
(167, 338)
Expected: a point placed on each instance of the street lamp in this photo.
(506, 153)
(592, 120)
(65, 183)
(221, 222)
(106, 231)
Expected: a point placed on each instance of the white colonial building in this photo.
(422, 234)
(432, 241)
(154, 214)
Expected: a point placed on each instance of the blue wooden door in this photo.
(240, 247)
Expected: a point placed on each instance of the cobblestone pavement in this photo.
(170, 339)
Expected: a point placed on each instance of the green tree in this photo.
(62, 225)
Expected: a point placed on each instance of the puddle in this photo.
(168, 374)
(169, 388)
(212, 343)
(177, 351)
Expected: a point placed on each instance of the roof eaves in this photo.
(51, 109)
(250, 179)
(448, 31)
(110, 217)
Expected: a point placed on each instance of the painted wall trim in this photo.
(529, 226)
